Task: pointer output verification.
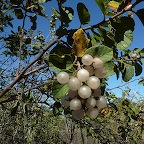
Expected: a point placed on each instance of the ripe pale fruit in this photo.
(74, 84)
(75, 104)
(71, 94)
(101, 102)
(63, 77)
(97, 62)
(134, 55)
(87, 59)
(83, 75)
(100, 72)
(96, 92)
(84, 92)
(90, 102)
(65, 101)
(92, 113)
(90, 69)
(78, 114)
(93, 82)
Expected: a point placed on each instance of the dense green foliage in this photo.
(31, 111)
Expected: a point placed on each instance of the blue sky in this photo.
(96, 16)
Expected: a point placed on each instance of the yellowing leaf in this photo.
(117, 7)
(113, 5)
(79, 45)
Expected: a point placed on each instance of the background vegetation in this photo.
(30, 107)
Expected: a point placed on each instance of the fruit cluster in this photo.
(84, 95)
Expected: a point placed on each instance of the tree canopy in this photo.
(40, 101)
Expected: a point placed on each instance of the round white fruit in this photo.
(92, 113)
(90, 102)
(87, 59)
(65, 101)
(90, 69)
(84, 92)
(101, 102)
(93, 82)
(63, 77)
(74, 84)
(72, 94)
(78, 114)
(97, 62)
(96, 92)
(100, 72)
(134, 55)
(75, 104)
(83, 75)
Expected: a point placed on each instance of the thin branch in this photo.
(113, 17)
(35, 70)
(20, 76)
(123, 84)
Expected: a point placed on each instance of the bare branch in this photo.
(35, 70)
(20, 76)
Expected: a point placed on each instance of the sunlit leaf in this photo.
(109, 66)
(103, 52)
(79, 45)
(142, 53)
(59, 90)
(83, 13)
(126, 42)
(128, 73)
(41, 1)
(113, 5)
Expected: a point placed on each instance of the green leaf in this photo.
(18, 13)
(59, 90)
(141, 82)
(54, 67)
(109, 66)
(41, 1)
(14, 108)
(140, 14)
(67, 14)
(57, 108)
(55, 12)
(142, 53)
(126, 42)
(61, 62)
(103, 52)
(138, 69)
(128, 73)
(61, 31)
(103, 5)
(83, 13)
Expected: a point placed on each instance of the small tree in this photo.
(30, 62)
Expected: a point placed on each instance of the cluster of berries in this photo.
(84, 95)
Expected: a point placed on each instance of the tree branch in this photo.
(116, 15)
(35, 70)
(20, 76)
